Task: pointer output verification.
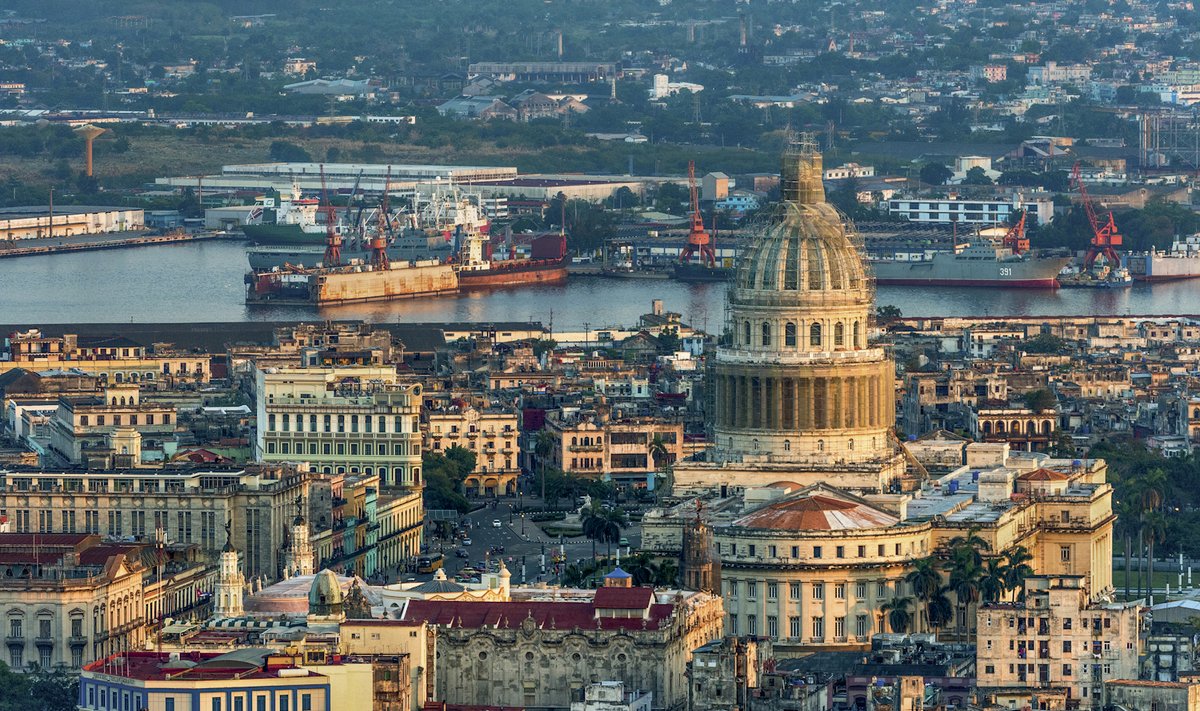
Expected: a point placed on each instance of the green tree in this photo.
(887, 313)
(924, 580)
(286, 152)
(543, 445)
(1040, 399)
(1044, 343)
(1017, 568)
(897, 614)
(992, 580)
(935, 174)
(939, 608)
(977, 176)
(603, 524)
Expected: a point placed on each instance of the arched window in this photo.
(755, 443)
(789, 336)
(766, 334)
(787, 445)
(1196, 413)
(987, 427)
(850, 445)
(857, 335)
(820, 445)
(1046, 427)
(746, 334)
(839, 334)
(999, 426)
(814, 335)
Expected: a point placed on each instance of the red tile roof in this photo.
(623, 598)
(817, 512)
(1043, 475)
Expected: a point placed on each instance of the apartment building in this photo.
(341, 420)
(190, 506)
(490, 434)
(67, 598)
(108, 429)
(613, 449)
(1056, 645)
(980, 212)
(111, 358)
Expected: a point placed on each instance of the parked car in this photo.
(496, 523)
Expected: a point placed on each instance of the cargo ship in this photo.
(285, 219)
(1182, 261)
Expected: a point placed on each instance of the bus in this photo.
(430, 563)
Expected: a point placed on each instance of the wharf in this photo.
(85, 243)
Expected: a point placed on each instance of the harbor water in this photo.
(202, 281)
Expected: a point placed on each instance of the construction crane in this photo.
(333, 241)
(1104, 235)
(379, 240)
(697, 239)
(1015, 239)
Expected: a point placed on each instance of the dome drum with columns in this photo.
(798, 382)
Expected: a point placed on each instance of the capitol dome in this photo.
(797, 384)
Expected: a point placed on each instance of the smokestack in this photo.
(560, 45)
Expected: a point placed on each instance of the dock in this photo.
(86, 243)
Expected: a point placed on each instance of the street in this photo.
(523, 541)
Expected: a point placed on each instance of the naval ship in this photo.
(1182, 261)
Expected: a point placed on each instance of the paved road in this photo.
(524, 544)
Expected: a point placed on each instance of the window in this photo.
(814, 335)
(238, 703)
(1066, 670)
(795, 551)
(818, 591)
(306, 702)
(862, 551)
(794, 593)
(772, 626)
(818, 628)
(772, 590)
(860, 591)
(216, 705)
(752, 551)
(862, 626)
(14, 629)
(840, 551)
(839, 591)
(1066, 646)
(751, 624)
(766, 334)
(794, 627)
(839, 627)
(789, 335)
(881, 589)
(1064, 553)
(816, 551)
(733, 625)
(751, 589)
(1067, 623)
(989, 669)
(746, 333)
(839, 334)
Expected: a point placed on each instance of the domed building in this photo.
(813, 568)
(799, 393)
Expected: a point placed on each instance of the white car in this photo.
(495, 523)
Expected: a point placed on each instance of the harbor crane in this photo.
(1015, 238)
(379, 240)
(1105, 237)
(698, 240)
(333, 240)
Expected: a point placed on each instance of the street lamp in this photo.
(522, 524)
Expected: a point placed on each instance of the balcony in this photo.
(586, 448)
(44, 641)
(18, 641)
(77, 641)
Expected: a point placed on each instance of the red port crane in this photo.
(333, 240)
(379, 256)
(697, 239)
(1104, 235)
(1015, 238)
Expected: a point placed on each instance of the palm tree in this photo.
(924, 580)
(971, 542)
(991, 580)
(1127, 523)
(603, 524)
(896, 611)
(1016, 569)
(939, 609)
(1147, 491)
(1154, 529)
(543, 446)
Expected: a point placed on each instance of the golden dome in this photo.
(805, 254)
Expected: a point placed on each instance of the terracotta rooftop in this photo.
(819, 511)
(623, 598)
(1043, 475)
